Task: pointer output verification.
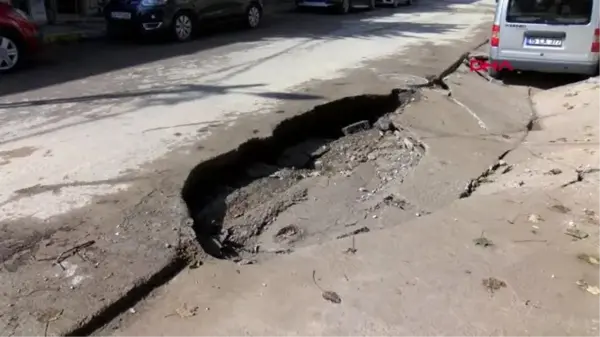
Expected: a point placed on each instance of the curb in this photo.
(71, 37)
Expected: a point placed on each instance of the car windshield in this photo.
(561, 12)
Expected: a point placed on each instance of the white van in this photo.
(555, 36)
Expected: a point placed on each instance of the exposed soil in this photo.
(237, 221)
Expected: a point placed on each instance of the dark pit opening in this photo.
(211, 181)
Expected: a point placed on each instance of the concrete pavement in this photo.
(95, 149)
(434, 275)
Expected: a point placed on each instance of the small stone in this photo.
(318, 164)
(132, 310)
(527, 170)
(364, 190)
(374, 216)
(418, 214)
(167, 245)
(535, 218)
(554, 171)
(408, 144)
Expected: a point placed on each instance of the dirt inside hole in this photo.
(244, 199)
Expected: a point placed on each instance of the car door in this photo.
(210, 9)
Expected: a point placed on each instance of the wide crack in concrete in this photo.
(234, 198)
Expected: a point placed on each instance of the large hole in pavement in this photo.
(209, 187)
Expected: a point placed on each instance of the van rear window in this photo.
(559, 12)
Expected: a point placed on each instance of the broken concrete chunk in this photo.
(576, 233)
(384, 124)
(408, 144)
(356, 127)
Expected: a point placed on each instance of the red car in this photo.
(19, 38)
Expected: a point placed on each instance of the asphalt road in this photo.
(93, 111)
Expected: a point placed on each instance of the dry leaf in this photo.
(594, 290)
(332, 297)
(589, 259)
(185, 312)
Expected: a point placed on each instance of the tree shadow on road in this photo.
(81, 62)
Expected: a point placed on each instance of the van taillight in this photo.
(596, 42)
(495, 39)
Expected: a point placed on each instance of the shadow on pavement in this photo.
(542, 81)
(62, 64)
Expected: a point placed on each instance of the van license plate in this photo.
(120, 15)
(542, 41)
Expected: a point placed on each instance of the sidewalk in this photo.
(517, 257)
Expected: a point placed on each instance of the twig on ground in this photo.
(72, 251)
(52, 319)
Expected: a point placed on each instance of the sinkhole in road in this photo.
(294, 145)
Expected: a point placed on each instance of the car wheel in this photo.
(344, 7)
(253, 16)
(183, 27)
(11, 52)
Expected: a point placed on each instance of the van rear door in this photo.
(548, 29)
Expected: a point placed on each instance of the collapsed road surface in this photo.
(92, 168)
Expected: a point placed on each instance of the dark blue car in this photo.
(176, 18)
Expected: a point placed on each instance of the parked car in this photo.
(394, 3)
(554, 36)
(340, 6)
(20, 38)
(175, 18)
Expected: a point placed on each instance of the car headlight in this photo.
(150, 3)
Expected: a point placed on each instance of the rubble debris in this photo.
(493, 284)
(583, 285)
(185, 312)
(535, 218)
(384, 124)
(356, 127)
(392, 200)
(560, 208)
(327, 295)
(354, 232)
(252, 223)
(593, 260)
(576, 233)
(483, 241)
